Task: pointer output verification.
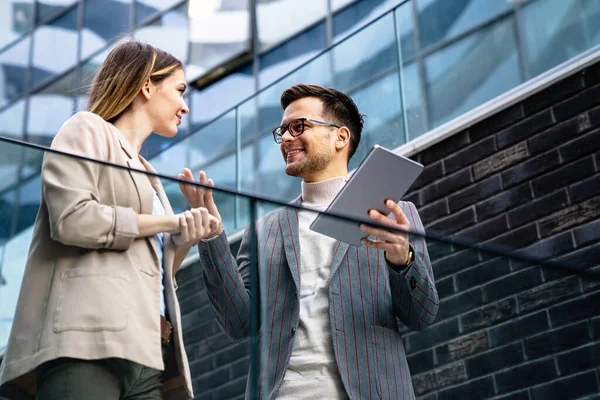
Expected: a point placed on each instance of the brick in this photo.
(577, 104)
(581, 147)
(458, 261)
(557, 340)
(567, 388)
(470, 154)
(526, 375)
(512, 284)
(195, 302)
(538, 208)
(475, 193)
(198, 333)
(575, 310)
(591, 282)
(434, 211)
(549, 293)
(454, 222)
(585, 189)
(212, 379)
(550, 247)
(553, 94)
(460, 303)
(516, 238)
(439, 378)
(500, 160)
(559, 133)
(232, 389)
(421, 362)
(240, 368)
(445, 286)
(524, 129)
(560, 178)
(496, 122)
(481, 273)
(594, 114)
(462, 347)
(596, 327)
(447, 146)
(431, 172)
(489, 315)
(591, 75)
(587, 233)
(586, 357)
(449, 184)
(495, 360)
(581, 260)
(233, 353)
(477, 389)
(519, 395)
(414, 197)
(437, 333)
(438, 249)
(199, 367)
(570, 216)
(208, 346)
(487, 229)
(529, 169)
(519, 328)
(504, 201)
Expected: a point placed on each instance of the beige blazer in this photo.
(90, 289)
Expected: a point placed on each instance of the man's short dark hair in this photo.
(336, 105)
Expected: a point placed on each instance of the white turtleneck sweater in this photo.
(312, 372)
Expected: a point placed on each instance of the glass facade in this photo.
(410, 66)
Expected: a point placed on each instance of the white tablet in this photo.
(382, 175)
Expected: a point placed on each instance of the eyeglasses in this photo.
(295, 128)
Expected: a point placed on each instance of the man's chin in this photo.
(292, 170)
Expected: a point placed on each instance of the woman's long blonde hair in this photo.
(123, 74)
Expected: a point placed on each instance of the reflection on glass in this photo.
(11, 125)
(168, 33)
(212, 101)
(48, 8)
(104, 21)
(414, 101)
(7, 207)
(359, 14)
(145, 9)
(86, 76)
(48, 110)
(29, 202)
(223, 173)
(55, 47)
(472, 71)
(16, 18)
(554, 31)
(440, 19)
(213, 139)
(219, 31)
(280, 19)
(13, 69)
(284, 58)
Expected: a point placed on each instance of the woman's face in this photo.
(166, 105)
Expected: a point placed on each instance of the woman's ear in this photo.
(147, 89)
(343, 138)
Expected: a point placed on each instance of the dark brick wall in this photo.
(526, 178)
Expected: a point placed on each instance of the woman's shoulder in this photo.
(86, 118)
(81, 130)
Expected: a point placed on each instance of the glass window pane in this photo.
(11, 125)
(442, 19)
(414, 101)
(16, 18)
(169, 33)
(55, 47)
(29, 203)
(212, 101)
(86, 76)
(359, 14)
(104, 21)
(219, 31)
(145, 9)
(13, 68)
(47, 8)
(556, 31)
(284, 58)
(280, 19)
(472, 71)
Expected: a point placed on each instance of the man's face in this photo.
(311, 152)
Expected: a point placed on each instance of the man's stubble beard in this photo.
(309, 165)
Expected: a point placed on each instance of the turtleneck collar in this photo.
(322, 193)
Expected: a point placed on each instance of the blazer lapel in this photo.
(288, 222)
(341, 248)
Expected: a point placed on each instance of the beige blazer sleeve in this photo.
(70, 188)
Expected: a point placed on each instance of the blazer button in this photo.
(293, 332)
(412, 282)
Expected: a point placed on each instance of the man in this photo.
(328, 310)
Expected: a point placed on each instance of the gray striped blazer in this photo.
(366, 297)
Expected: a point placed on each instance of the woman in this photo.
(97, 316)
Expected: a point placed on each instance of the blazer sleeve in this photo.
(70, 190)
(414, 295)
(227, 282)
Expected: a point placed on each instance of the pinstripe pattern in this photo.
(366, 297)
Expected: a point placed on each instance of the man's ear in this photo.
(147, 89)
(343, 138)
